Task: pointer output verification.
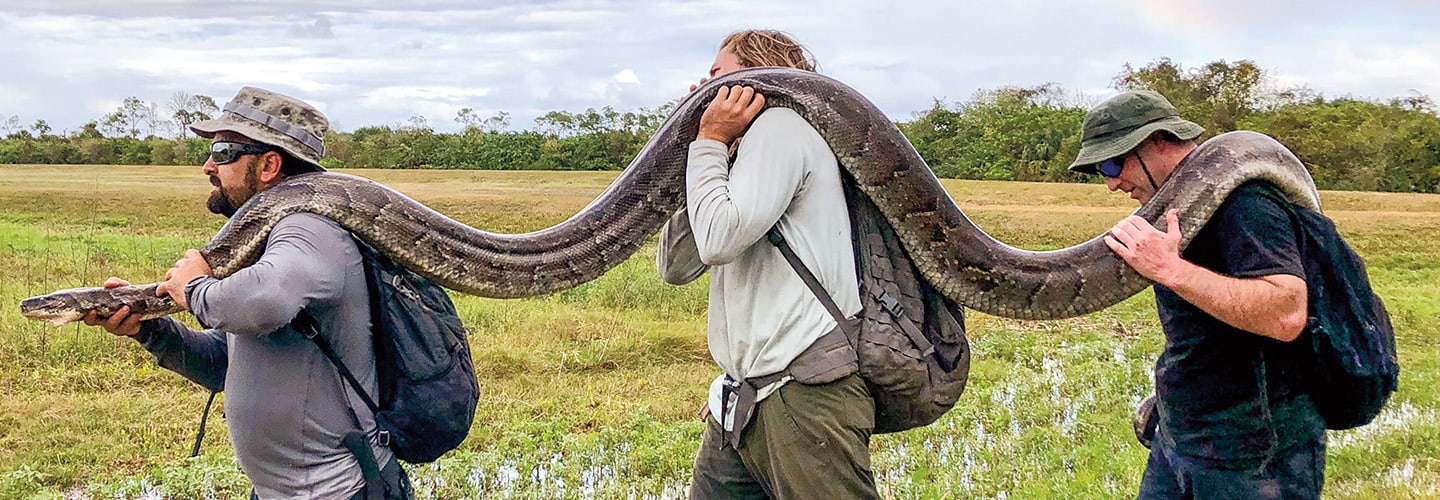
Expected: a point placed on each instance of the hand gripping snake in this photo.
(964, 263)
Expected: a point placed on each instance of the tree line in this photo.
(1032, 134)
(1010, 133)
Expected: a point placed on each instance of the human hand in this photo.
(730, 113)
(696, 86)
(1154, 254)
(122, 323)
(189, 267)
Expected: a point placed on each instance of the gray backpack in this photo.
(908, 342)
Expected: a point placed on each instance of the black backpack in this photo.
(909, 339)
(428, 389)
(1355, 368)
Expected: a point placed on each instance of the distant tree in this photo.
(132, 119)
(53, 149)
(497, 123)
(1009, 133)
(339, 148)
(186, 108)
(13, 151)
(193, 151)
(593, 121)
(933, 133)
(467, 118)
(557, 123)
(95, 150)
(412, 145)
(40, 128)
(1216, 95)
(10, 125)
(130, 151)
(378, 147)
(416, 123)
(649, 120)
(162, 151)
(90, 130)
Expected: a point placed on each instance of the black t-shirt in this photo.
(1227, 395)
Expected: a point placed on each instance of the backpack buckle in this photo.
(403, 286)
(774, 236)
(304, 324)
(384, 438)
(890, 303)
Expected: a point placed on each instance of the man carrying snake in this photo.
(767, 437)
(286, 406)
(1233, 421)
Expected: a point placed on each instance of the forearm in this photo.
(716, 219)
(1272, 306)
(201, 357)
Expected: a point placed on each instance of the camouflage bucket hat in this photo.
(1116, 126)
(272, 119)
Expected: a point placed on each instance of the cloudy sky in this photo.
(380, 62)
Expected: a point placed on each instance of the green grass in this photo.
(594, 391)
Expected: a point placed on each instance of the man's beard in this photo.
(226, 200)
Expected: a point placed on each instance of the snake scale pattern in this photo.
(960, 259)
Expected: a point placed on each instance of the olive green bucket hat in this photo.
(1116, 126)
(272, 119)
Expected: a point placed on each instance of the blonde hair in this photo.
(768, 48)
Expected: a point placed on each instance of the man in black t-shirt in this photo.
(1233, 422)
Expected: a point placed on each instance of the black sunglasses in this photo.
(228, 151)
(1113, 166)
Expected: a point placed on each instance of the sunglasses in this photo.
(1112, 167)
(226, 151)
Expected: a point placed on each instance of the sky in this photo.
(367, 63)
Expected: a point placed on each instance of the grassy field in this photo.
(593, 392)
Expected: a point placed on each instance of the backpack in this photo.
(909, 340)
(428, 389)
(1355, 368)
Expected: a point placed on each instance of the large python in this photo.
(954, 254)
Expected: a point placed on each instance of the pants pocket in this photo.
(833, 421)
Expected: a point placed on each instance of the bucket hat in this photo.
(1116, 126)
(273, 119)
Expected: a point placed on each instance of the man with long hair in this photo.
(769, 434)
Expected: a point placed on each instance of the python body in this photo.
(954, 254)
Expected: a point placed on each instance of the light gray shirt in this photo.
(761, 315)
(285, 404)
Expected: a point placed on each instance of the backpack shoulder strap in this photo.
(805, 275)
(354, 441)
(886, 301)
(305, 325)
(1303, 229)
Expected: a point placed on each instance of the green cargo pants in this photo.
(804, 442)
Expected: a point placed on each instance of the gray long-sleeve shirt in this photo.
(286, 405)
(761, 314)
